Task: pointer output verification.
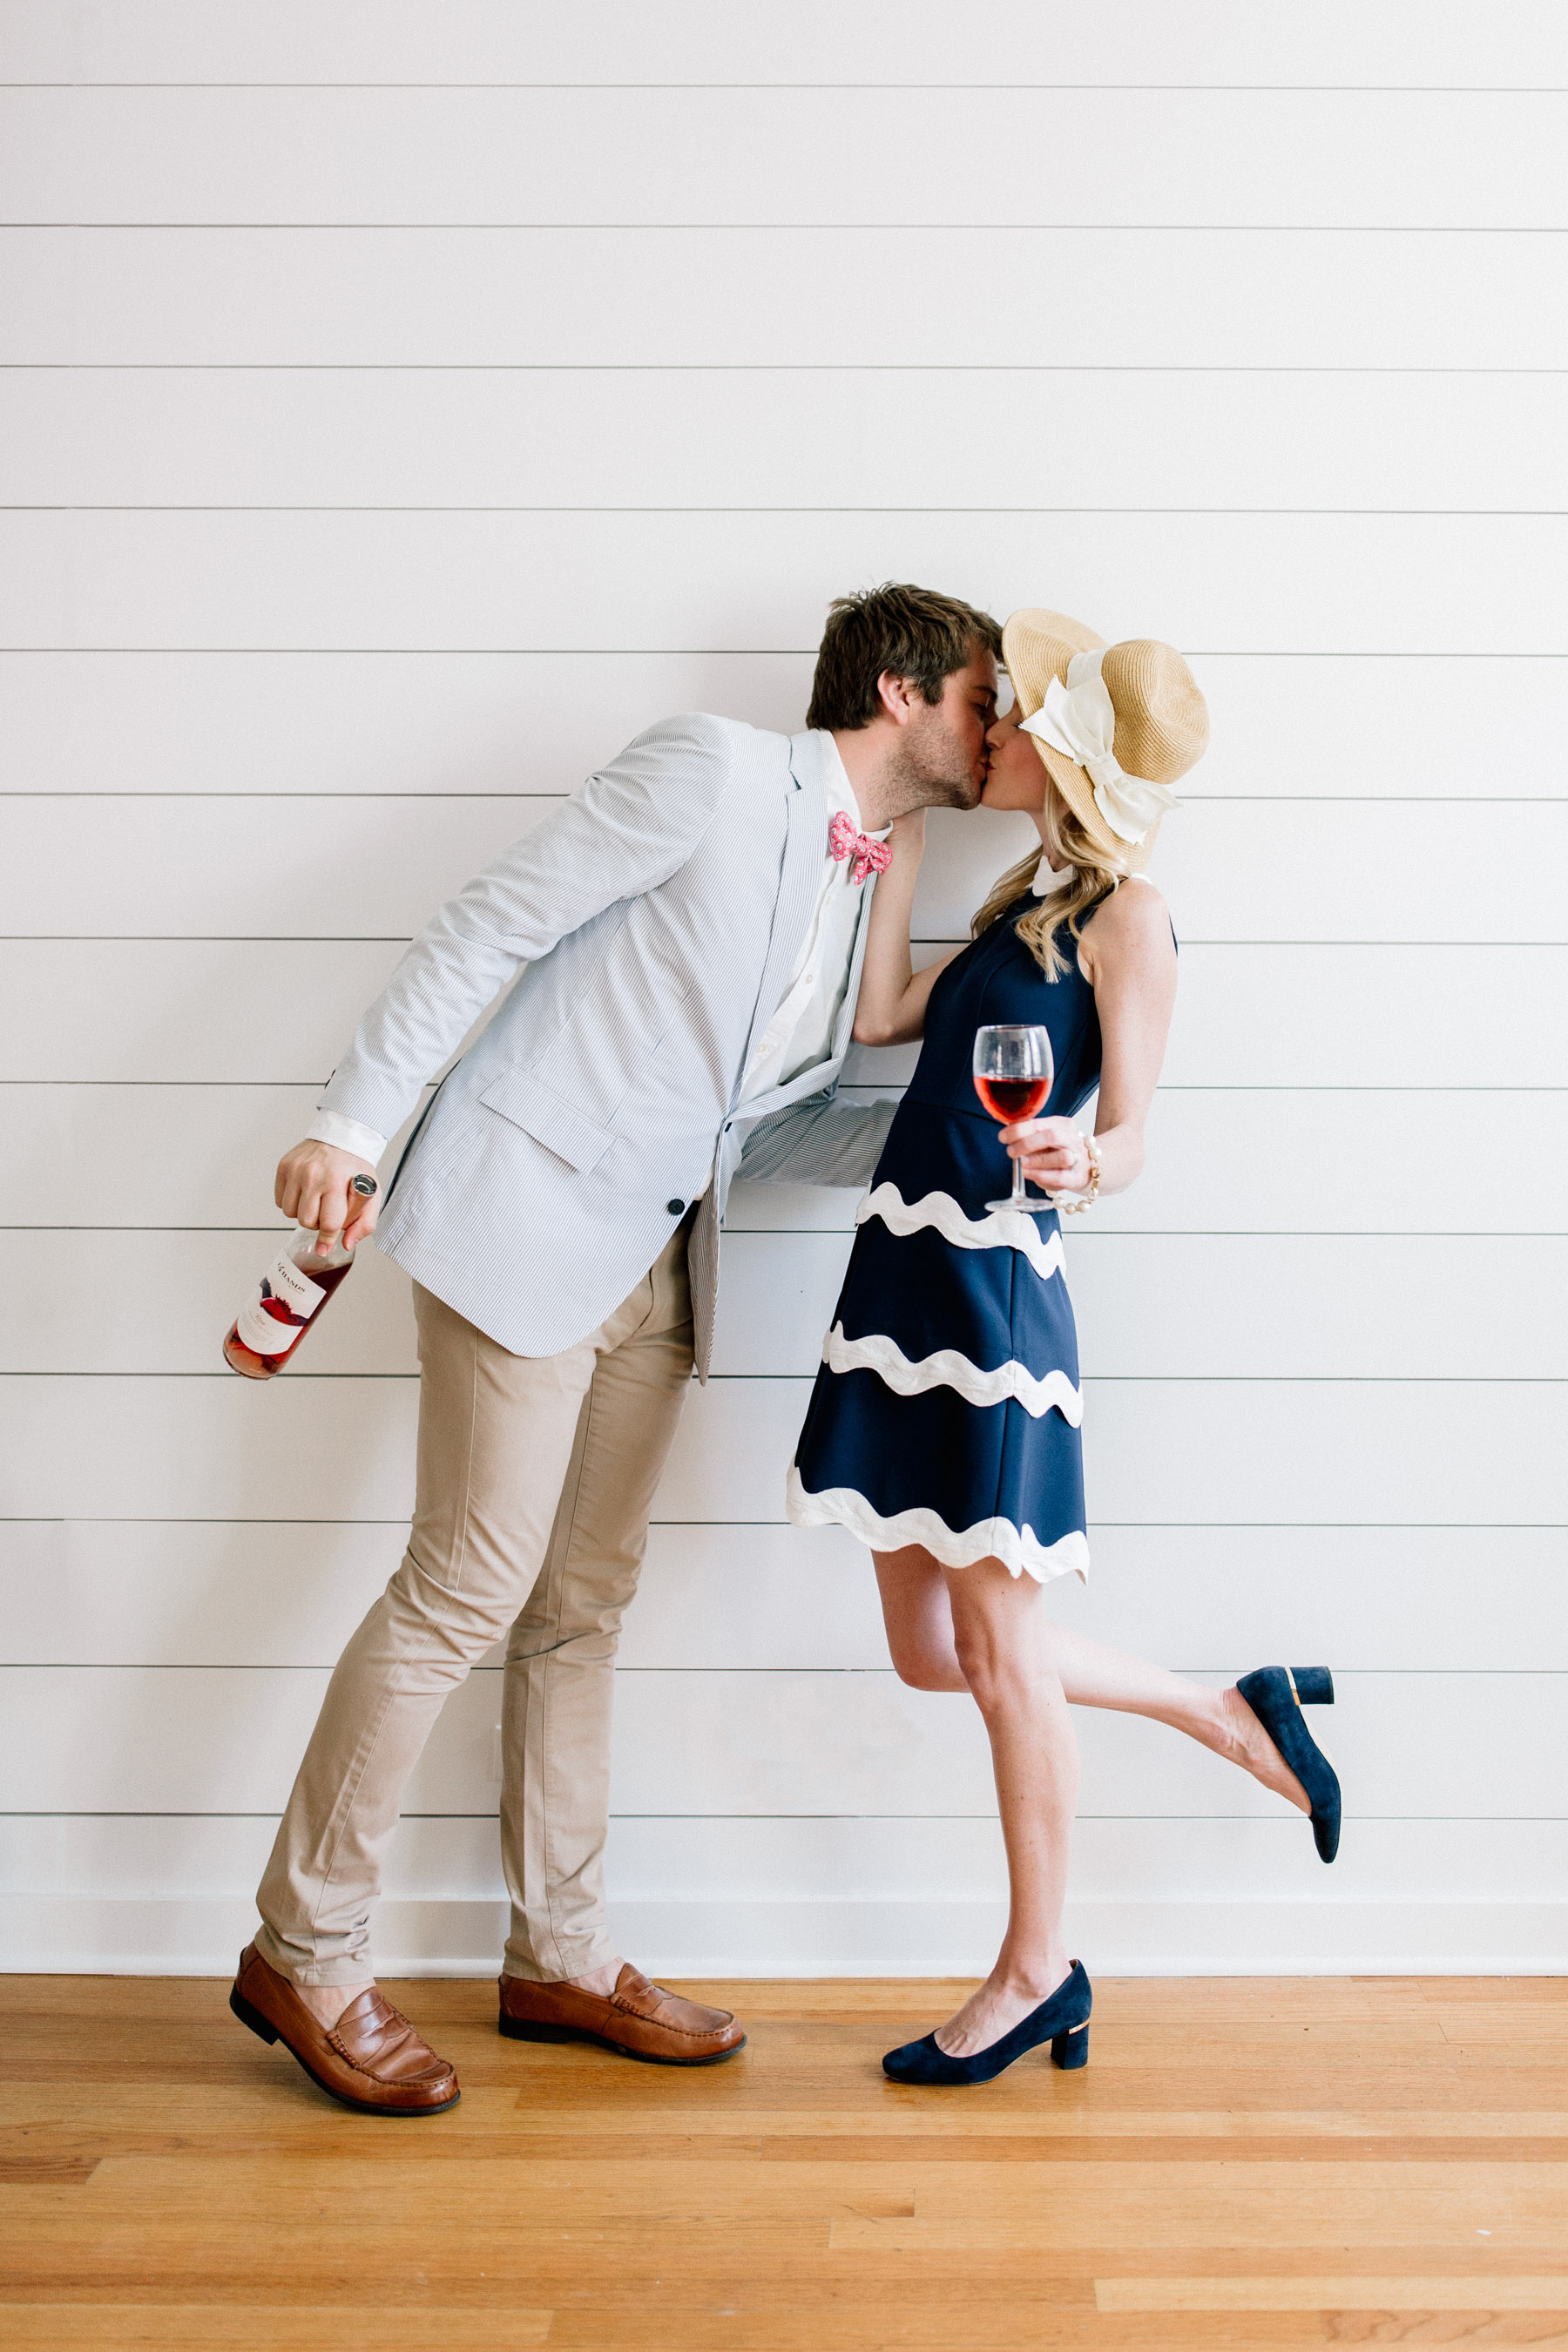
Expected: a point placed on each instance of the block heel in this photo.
(1071, 2051)
(251, 2017)
(1062, 2020)
(1277, 1696)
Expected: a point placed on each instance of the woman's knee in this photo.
(922, 1669)
(992, 1681)
(917, 1620)
(996, 1654)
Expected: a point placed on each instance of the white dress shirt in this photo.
(800, 1034)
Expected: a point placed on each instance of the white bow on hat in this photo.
(1078, 719)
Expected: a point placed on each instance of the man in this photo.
(693, 925)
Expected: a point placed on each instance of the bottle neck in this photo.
(319, 1253)
(326, 1251)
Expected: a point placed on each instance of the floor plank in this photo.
(1243, 2164)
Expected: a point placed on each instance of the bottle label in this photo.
(278, 1309)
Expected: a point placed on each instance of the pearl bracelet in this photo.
(1074, 1205)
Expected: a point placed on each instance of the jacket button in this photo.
(675, 1207)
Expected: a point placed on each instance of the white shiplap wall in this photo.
(399, 407)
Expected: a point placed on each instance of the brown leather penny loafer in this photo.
(371, 2058)
(638, 2019)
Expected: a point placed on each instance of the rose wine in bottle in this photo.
(289, 1297)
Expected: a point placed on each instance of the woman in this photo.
(943, 1427)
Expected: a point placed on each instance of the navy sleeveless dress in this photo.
(947, 1408)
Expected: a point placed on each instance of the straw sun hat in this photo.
(1115, 725)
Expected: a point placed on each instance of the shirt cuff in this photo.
(346, 1135)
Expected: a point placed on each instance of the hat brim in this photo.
(1057, 637)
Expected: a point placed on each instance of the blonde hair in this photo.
(1088, 873)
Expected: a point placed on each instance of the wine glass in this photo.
(1014, 1070)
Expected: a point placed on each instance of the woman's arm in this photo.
(1129, 959)
(891, 1006)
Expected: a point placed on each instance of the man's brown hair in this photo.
(913, 632)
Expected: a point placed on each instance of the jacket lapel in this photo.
(800, 877)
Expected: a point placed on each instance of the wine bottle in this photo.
(289, 1297)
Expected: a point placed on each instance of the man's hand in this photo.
(312, 1187)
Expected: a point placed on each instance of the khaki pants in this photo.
(535, 1478)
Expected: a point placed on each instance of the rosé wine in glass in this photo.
(1014, 1072)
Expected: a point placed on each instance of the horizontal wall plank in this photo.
(1237, 582)
(784, 1861)
(161, 1302)
(1244, 1161)
(1343, 1016)
(300, 724)
(1247, 870)
(1395, 1599)
(204, 868)
(1163, 1306)
(728, 1940)
(370, 41)
(666, 297)
(631, 438)
(1159, 1306)
(178, 1012)
(152, 1155)
(1197, 157)
(435, 723)
(212, 1739)
(1229, 1453)
(115, 1156)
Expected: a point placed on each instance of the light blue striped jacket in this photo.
(660, 913)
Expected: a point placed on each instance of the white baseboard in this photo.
(115, 1937)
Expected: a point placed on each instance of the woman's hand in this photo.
(1052, 1153)
(1129, 959)
(891, 1007)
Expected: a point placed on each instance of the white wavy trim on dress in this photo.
(948, 1368)
(1002, 1229)
(1017, 1548)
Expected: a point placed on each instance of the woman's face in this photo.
(1016, 776)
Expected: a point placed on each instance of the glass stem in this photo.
(1020, 1197)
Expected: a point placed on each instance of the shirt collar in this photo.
(841, 791)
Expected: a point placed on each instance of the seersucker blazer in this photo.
(634, 946)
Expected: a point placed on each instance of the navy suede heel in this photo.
(1062, 2020)
(1277, 1696)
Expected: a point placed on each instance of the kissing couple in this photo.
(705, 926)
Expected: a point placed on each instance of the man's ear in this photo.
(898, 697)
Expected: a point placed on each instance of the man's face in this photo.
(943, 751)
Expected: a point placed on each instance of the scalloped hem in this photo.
(874, 1351)
(1000, 1229)
(1019, 1549)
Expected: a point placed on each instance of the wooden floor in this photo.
(1248, 2162)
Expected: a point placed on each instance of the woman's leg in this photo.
(918, 1613)
(1002, 1646)
(918, 1618)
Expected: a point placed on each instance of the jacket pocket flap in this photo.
(581, 1142)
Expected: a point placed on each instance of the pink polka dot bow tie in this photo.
(844, 840)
